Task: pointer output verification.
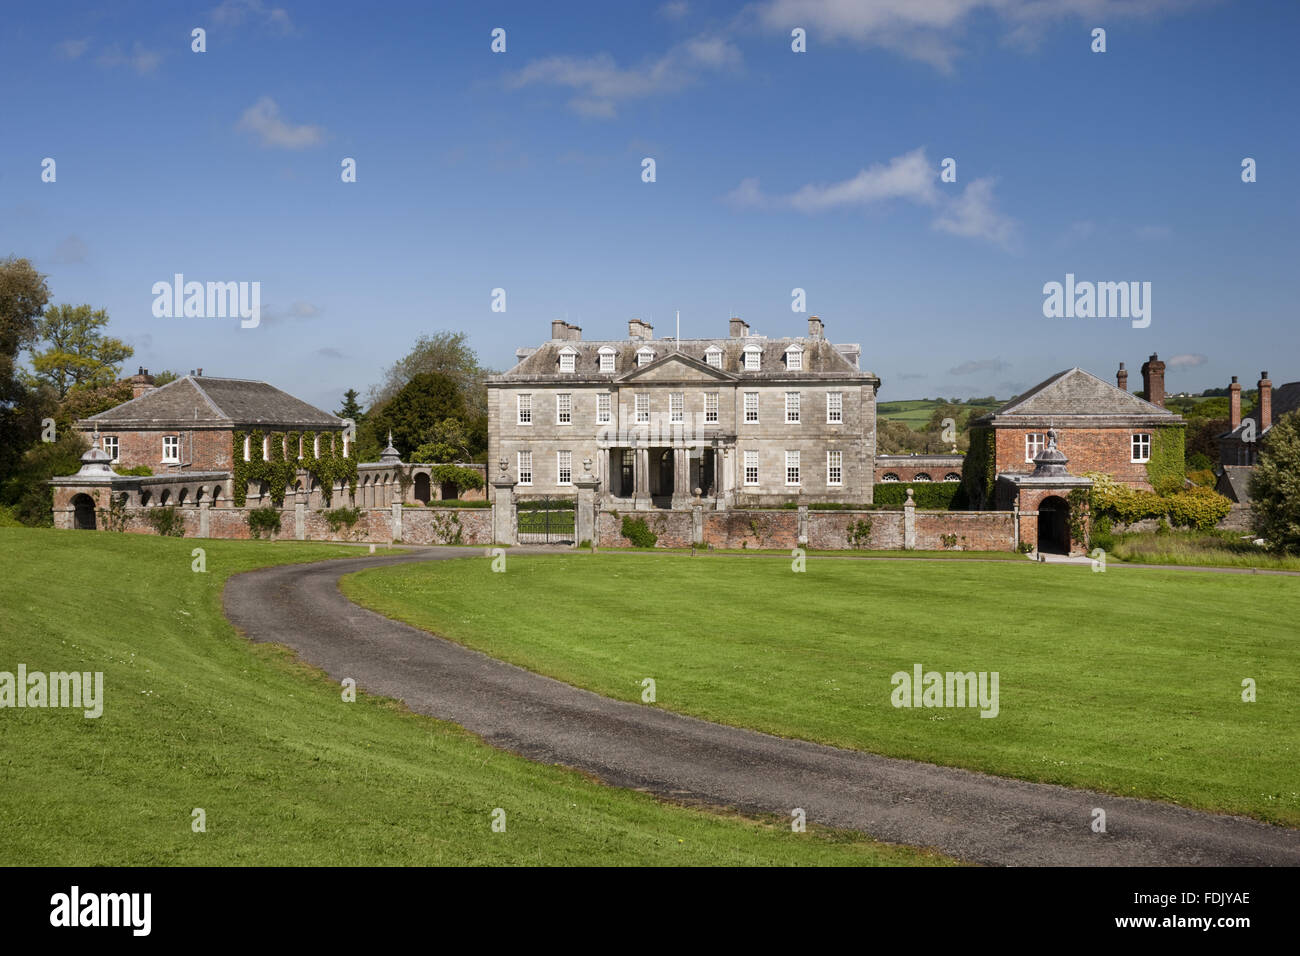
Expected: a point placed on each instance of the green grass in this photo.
(1128, 681)
(915, 412)
(287, 773)
(1221, 549)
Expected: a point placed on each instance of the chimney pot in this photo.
(1234, 404)
(738, 327)
(1153, 380)
(815, 327)
(1121, 377)
(1265, 412)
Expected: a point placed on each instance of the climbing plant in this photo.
(1167, 467)
(327, 469)
(979, 469)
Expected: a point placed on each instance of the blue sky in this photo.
(775, 170)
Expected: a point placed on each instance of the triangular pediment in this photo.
(676, 367)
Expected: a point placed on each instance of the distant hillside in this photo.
(916, 412)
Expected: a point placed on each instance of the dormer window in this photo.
(644, 356)
(713, 356)
(568, 359)
(794, 359)
(753, 356)
(607, 359)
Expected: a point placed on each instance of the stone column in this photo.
(909, 523)
(803, 526)
(1015, 522)
(642, 478)
(204, 530)
(682, 490)
(503, 510)
(397, 521)
(585, 518)
(697, 525)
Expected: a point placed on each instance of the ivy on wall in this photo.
(979, 469)
(327, 469)
(1167, 467)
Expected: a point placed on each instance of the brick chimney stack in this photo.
(639, 329)
(1121, 377)
(1234, 405)
(816, 329)
(738, 328)
(1153, 380)
(141, 382)
(1265, 403)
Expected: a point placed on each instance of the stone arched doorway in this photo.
(1054, 525)
(83, 513)
(421, 487)
(666, 473)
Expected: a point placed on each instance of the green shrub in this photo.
(457, 503)
(1199, 462)
(638, 532)
(338, 518)
(1197, 508)
(263, 520)
(166, 521)
(933, 495)
(463, 478)
(859, 533)
(139, 471)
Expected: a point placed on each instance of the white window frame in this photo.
(568, 362)
(524, 466)
(753, 358)
(641, 406)
(710, 407)
(604, 406)
(266, 449)
(1137, 443)
(792, 408)
(564, 467)
(644, 356)
(173, 442)
(792, 467)
(713, 356)
(834, 408)
(524, 408)
(750, 464)
(794, 359)
(748, 410)
(606, 359)
(834, 468)
(111, 439)
(1034, 443)
(564, 408)
(676, 408)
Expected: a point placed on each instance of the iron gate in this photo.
(545, 520)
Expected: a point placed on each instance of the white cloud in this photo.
(1186, 360)
(600, 84)
(974, 215)
(72, 49)
(232, 13)
(263, 119)
(972, 366)
(675, 10)
(139, 59)
(910, 177)
(931, 30)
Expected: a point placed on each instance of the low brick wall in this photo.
(751, 529)
(829, 530)
(674, 528)
(446, 525)
(975, 530)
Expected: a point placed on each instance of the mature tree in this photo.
(83, 402)
(449, 442)
(443, 353)
(351, 407)
(23, 295)
(162, 378)
(427, 399)
(76, 352)
(26, 491)
(1275, 486)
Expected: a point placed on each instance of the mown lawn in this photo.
(1128, 681)
(287, 772)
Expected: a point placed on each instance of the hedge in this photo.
(933, 495)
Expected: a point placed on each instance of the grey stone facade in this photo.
(659, 419)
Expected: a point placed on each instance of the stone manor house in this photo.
(744, 420)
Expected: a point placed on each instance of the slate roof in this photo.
(205, 401)
(1234, 482)
(1078, 398)
(1286, 399)
(821, 359)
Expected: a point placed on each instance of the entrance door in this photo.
(666, 473)
(627, 474)
(83, 516)
(1054, 525)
